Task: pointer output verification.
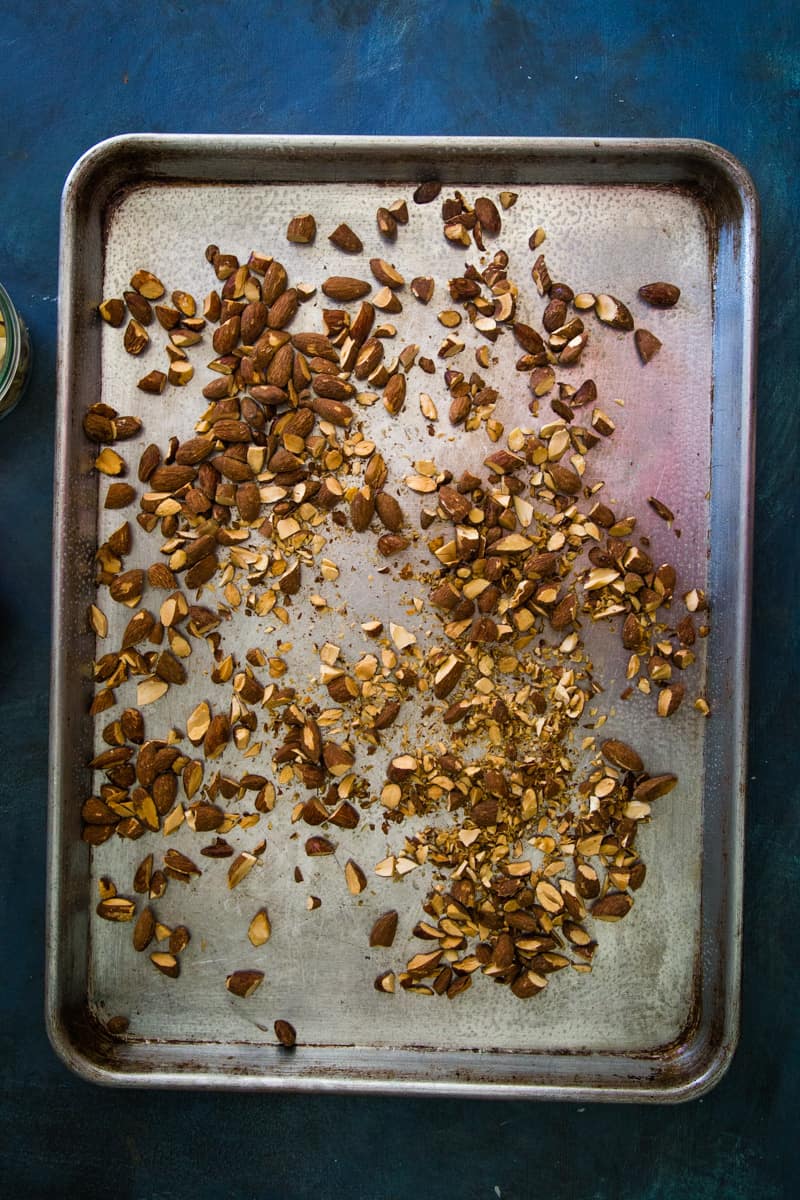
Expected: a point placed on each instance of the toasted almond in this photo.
(259, 929)
(354, 877)
(244, 983)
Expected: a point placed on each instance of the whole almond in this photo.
(219, 389)
(193, 451)
(487, 213)
(392, 543)
(280, 368)
(317, 847)
(233, 468)
(564, 612)
(274, 283)
(228, 430)
(284, 308)
(565, 480)
(171, 478)
(459, 409)
(315, 345)
(389, 512)
(529, 339)
(160, 576)
(344, 288)
(426, 192)
(248, 501)
(165, 790)
(612, 907)
(655, 788)
(621, 755)
(138, 307)
(226, 335)
(554, 315)
(144, 929)
(285, 1033)
(254, 321)
(334, 411)
(299, 422)
(332, 387)
(660, 295)
(362, 508)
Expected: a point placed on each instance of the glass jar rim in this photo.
(10, 361)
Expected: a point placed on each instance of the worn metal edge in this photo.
(62, 1041)
(741, 180)
(53, 981)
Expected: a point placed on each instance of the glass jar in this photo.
(15, 354)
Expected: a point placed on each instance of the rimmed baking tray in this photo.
(657, 1019)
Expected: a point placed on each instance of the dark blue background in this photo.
(72, 74)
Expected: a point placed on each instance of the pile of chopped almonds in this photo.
(245, 511)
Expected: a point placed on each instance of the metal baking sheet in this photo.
(657, 1019)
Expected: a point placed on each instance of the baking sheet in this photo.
(643, 1023)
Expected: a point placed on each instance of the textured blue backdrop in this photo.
(78, 72)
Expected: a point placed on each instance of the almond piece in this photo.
(345, 239)
(302, 229)
(285, 1033)
(244, 983)
(384, 930)
(647, 344)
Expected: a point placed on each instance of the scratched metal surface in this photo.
(319, 970)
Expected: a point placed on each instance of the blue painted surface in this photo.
(75, 73)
